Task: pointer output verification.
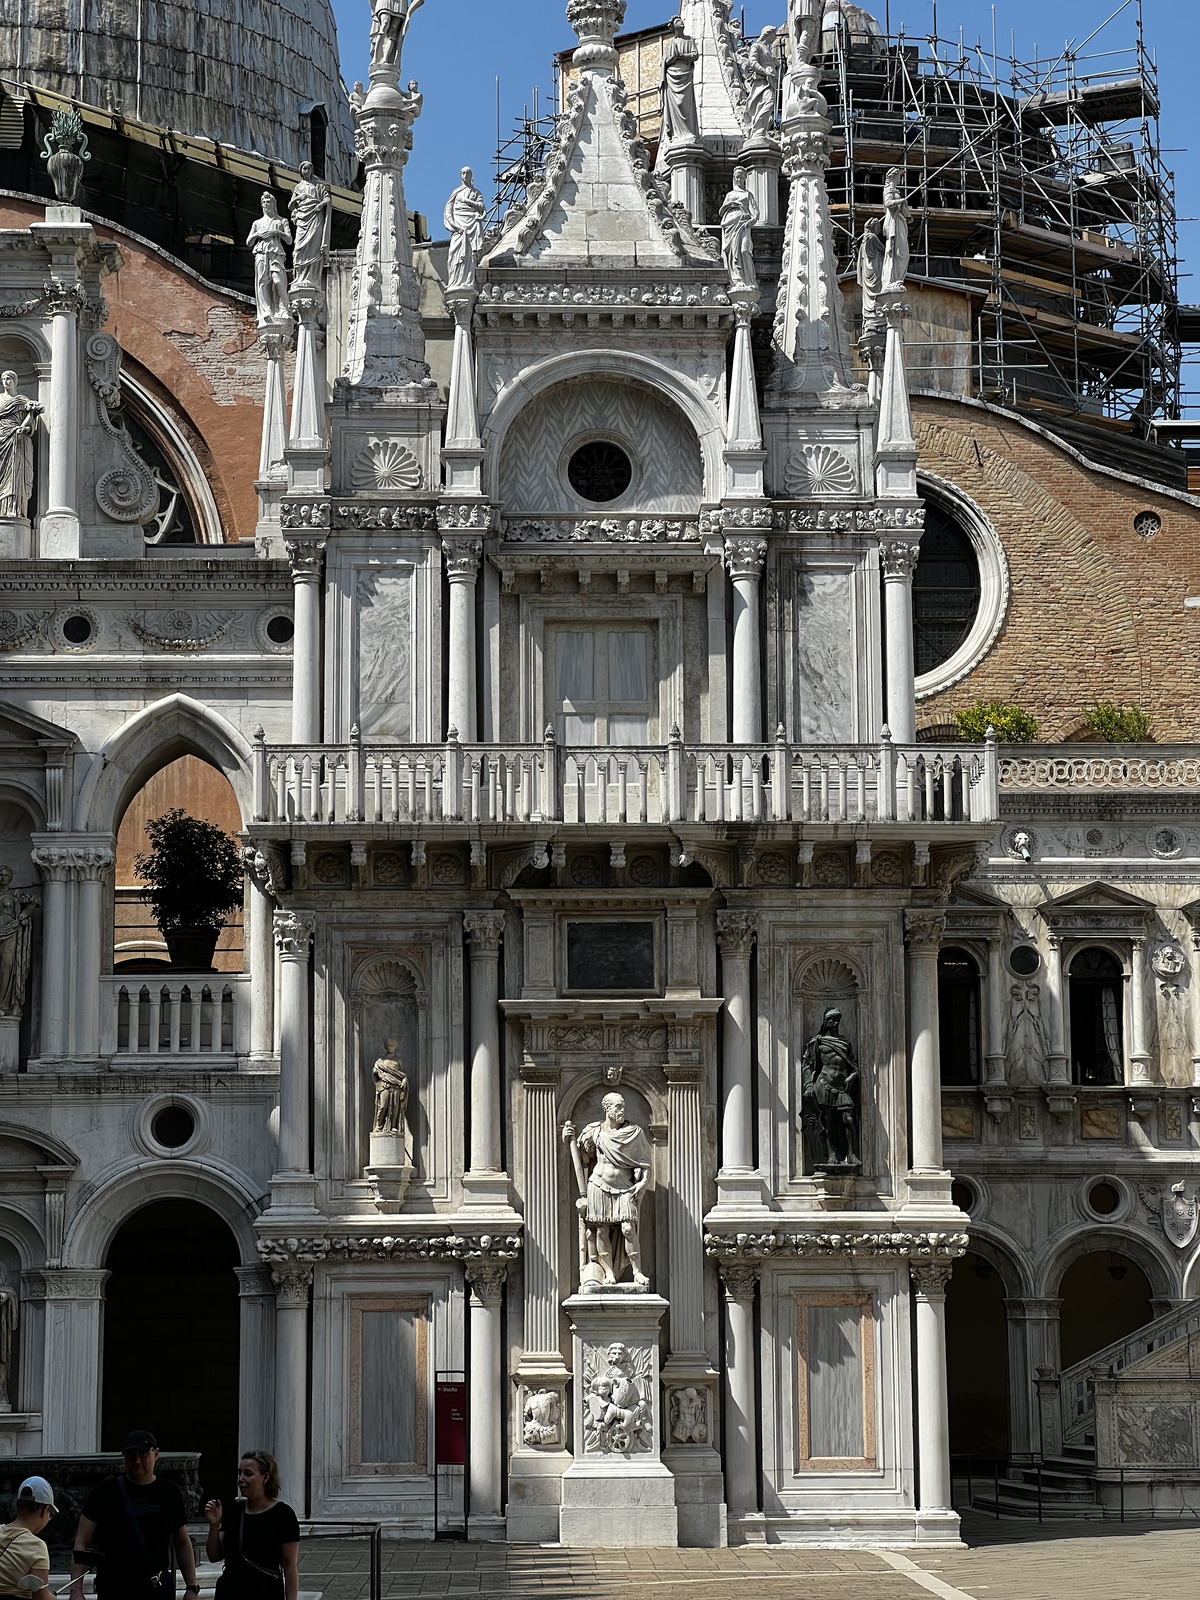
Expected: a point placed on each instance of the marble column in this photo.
(307, 559)
(1057, 1067)
(59, 530)
(741, 1365)
(684, 162)
(462, 454)
(923, 933)
(485, 1182)
(293, 1285)
(74, 1299)
(306, 454)
(92, 865)
(262, 967)
(898, 558)
(1139, 1056)
(485, 1285)
(745, 558)
(745, 457)
(462, 558)
(933, 1414)
(292, 1184)
(762, 158)
(256, 1355)
(1195, 999)
(995, 1065)
(739, 1184)
(54, 866)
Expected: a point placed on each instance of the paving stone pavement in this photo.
(1006, 1560)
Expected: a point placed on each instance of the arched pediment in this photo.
(29, 1150)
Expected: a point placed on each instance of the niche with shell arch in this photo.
(583, 1104)
(389, 1001)
(821, 982)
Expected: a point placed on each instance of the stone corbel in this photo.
(420, 865)
(998, 1103)
(299, 864)
(804, 863)
(1060, 1100)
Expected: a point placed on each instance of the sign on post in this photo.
(449, 1432)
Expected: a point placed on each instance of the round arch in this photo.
(1163, 1274)
(154, 736)
(1006, 1256)
(24, 1235)
(543, 375)
(138, 1184)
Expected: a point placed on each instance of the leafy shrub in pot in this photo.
(192, 877)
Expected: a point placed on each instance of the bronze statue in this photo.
(829, 1088)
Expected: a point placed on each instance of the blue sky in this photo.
(458, 48)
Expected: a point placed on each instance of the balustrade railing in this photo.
(676, 782)
(1076, 1391)
(1099, 767)
(169, 1014)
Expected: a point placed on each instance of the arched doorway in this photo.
(1104, 1296)
(171, 1334)
(977, 1360)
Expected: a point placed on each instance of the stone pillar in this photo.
(54, 865)
(307, 456)
(59, 531)
(1195, 999)
(485, 1284)
(995, 1068)
(745, 457)
(745, 557)
(1056, 1065)
(462, 566)
(898, 558)
(307, 559)
(896, 447)
(1139, 1057)
(71, 1367)
(256, 1357)
(293, 1283)
(462, 454)
(926, 1180)
(762, 158)
(684, 161)
(92, 866)
(485, 1181)
(1033, 1347)
(739, 1184)
(741, 1406)
(933, 1415)
(292, 1184)
(262, 969)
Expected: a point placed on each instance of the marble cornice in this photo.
(727, 1248)
(392, 1240)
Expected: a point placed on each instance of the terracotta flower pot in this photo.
(192, 949)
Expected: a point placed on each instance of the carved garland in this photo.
(748, 1250)
(292, 1251)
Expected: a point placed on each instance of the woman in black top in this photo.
(259, 1537)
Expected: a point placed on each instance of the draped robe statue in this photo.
(739, 213)
(761, 72)
(391, 1091)
(897, 216)
(463, 220)
(18, 418)
(269, 239)
(870, 274)
(617, 1156)
(312, 213)
(16, 943)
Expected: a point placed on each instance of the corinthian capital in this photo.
(739, 1279)
(930, 1278)
(462, 557)
(898, 558)
(307, 557)
(744, 557)
(92, 863)
(483, 929)
(735, 933)
(294, 934)
(53, 862)
(923, 930)
(485, 1279)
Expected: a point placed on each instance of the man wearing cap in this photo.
(137, 1524)
(22, 1549)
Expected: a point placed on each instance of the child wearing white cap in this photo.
(22, 1551)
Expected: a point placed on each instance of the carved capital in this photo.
(53, 862)
(745, 556)
(923, 930)
(484, 930)
(735, 933)
(293, 1281)
(93, 863)
(307, 558)
(898, 559)
(739, 1279)
(462, 558)
(294, 934)
(929, 1279)
(485, 1280)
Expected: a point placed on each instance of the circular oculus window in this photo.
(172, 1127)
(1024, 961)
(599, 471)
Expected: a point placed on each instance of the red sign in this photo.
(450, 1425)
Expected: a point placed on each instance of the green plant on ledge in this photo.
(192, 877)
(1118, 724)
(1010, 723)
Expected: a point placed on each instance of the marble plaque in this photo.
(610, 955)
(958, 1122)
(384, 654)
(825, 665)
(1100, 1122)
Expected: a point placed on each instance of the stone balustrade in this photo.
(1035, 768)
(173, 1014)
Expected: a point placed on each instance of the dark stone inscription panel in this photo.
(610, 955)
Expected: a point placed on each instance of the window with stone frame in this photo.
(388, 1390)
(946, 589)
(604, 684)
(835, 1381)
(1096, 984)
(958, 1017)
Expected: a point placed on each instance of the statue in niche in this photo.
(466, 212)
(829, 1094)
(897, 216)
(612, 1168)
(391, 1091)
(681, 124)
(688, 1424)
(9, 1312)
(311, 211)
(18, 418)
(269, 239)
(1027, 1044)
(616, 1414)
(389, 24)
(540, 1418)
(870, 273)
(760, 71)
(739, 213)
(16, 943)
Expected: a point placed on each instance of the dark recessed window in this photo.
(281, 630)
(610, 955)
(172, 1127)
(945, 590)
(77, 630)
(600, 471)
(1103, 1198)
(962, 1194)
(1097, 1044)
(958, 1017)
(1024, 961)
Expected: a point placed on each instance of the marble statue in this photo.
(688, 1425)
(311, 211)
(616, 1412)
(541, 1417)
(269, 239)
(760, 70)
(739, 213)
(870, 273)
(804, 19)
(681, 123)
(18, 418)
(802, 95)
(9, 1312)
(897, 216)
(389, 24)
(829, 1087)
(16, 943)
(391, 1091)
(466, 212)
(616, 1156)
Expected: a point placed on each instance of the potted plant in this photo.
(192, 880)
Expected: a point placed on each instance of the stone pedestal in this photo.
(10, 1041)
(390, 1170)
(16, 538)
(617, 1491)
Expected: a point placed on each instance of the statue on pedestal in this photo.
(897, 216)
(269, 239)
(16, 943)
(761, 73)
(617, 1154)
(311, 211)
(870, 273)
(18, 418)
(465, 214)
(389, 24)
(9, 1313)
(739, 213)
(829, 1092)
(391, 1091)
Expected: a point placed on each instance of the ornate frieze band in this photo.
(476, 1250)
(603, 530)
(730, 1250)
(824, 519)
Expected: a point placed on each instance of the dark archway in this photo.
(1104, 1297)
(977, 1360)
(171, 1334)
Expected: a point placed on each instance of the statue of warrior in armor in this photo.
(617, 1156)
(829, 1090)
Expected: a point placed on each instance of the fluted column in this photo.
(898, 559)
(292, 1185)
(485, 1181)
(923, 932)
(462, 558)
(540, 1162)
(308, 560)
(256, 1355)
(54, 866)
(92, 865)
(933, 1415)
(59, 531)
(1139, 1056)
(485, 1284)
(74, 1301)
(741, 1361)
(685, 1202)
(293, 1284)
(745, 557)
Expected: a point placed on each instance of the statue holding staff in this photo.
(612, 1163)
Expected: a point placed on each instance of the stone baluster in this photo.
(1056, 1064)
(293, 1285)
(933, 1416)
(745, 558)
(737, 1181)
(1139, 1055)
(485, 1181)
(292, 1185)
(92, 866)
(54, 866)
(307, 559)
(256, 1354)
(74, 1301)
(485, 1284)
(739, 1281)
(898, 558)
(923, 932)
(462, 558)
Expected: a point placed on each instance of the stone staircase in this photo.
(1068, 1489)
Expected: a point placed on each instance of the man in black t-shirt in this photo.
(138, 1524)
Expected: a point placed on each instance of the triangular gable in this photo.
(1098, 908)
(18, 726)
(1098, 896)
